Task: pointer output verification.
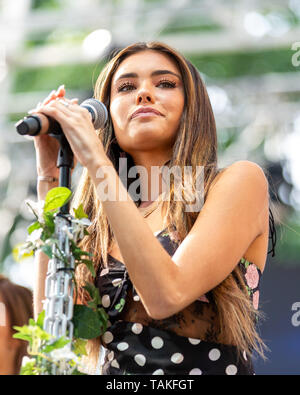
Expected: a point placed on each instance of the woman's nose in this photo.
(145, 95)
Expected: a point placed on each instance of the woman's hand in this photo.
(79, 130)
(47, 147)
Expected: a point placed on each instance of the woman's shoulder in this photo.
(245, 170)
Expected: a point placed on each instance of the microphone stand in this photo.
(59, 284)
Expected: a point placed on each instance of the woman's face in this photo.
(147, 101)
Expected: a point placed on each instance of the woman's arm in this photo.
(232, 217)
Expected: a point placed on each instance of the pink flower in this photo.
(255, 299)
(252, 276)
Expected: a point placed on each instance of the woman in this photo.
(181, 287)
(15, 310)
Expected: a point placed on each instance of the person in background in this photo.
(16, 309)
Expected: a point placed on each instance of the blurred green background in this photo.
(248, 53)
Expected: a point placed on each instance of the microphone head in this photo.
(97, 110)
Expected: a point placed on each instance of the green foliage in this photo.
(252, 62)
(45, 78)
(57, 197)
(89, 321)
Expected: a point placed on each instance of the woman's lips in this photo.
(145, 112)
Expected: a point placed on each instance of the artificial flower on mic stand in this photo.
(52, 339)
(49, 354)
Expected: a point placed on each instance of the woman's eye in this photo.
(126, 87)
(167, 84)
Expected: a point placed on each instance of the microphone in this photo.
(34, 125)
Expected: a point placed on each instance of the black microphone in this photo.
(34, 125)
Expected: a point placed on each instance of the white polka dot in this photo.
(136, 298)
(105, 301)
(137, 328)
(103, 272)
(116, 282)
(110, 356)
(158, 372)
(214, 354)
(115, 364)
(157, 342)
(140, 359)
(231, 370)
(194, 341)
(195, 371)
(122, 346)
(107, 337)
(177, 357)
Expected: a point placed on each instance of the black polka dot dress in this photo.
(136, 349)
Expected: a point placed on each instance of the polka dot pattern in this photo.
(214, 354)
(195, 371)
(157, 342)
(134, 348)
(140, 359)
(177, 357)
(105, 301)
(158, 372)
(116, 282)
(122, 346)
(137, 328)
(107, 337)
(231, 370)
(194, 341)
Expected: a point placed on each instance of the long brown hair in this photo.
(195, 145)
(18, 304)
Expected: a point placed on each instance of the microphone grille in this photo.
(98, 111)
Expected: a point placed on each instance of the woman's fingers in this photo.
(53, 95)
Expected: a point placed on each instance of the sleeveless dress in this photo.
(136, 349)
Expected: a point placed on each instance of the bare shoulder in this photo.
(247, 173)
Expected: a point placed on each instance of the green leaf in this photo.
(35, 225)
(29, 369)
(40, 319)
(79, 346)
(22, 336)
(59, 343)
(49, 222)
(94, 294)
(57, 197)
(79, 212)
(87, 324)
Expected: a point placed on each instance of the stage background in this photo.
(248, 53)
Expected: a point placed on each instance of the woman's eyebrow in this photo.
(153, 74)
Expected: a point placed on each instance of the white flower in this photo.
(37, 208)
(78, 227)
(26, 360)
(35, 236)
(63, 354)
